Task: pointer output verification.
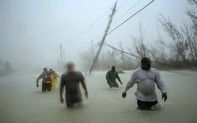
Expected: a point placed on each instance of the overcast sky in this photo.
(32, 30)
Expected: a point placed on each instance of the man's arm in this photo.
(37, 80)
(161, 86)
(107, 76)
(61, 90)
(61, 93)
(129, 84)
(85, 88)
(84, 84)
(117, 76)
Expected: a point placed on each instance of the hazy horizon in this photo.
(31, 30)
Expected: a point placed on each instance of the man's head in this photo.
(145, 63)
(70, 67)
(45, 69)
(113, 68)
(51, 70)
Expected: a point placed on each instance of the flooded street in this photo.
(40, 37)
(22, 102)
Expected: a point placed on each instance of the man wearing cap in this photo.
(111, 77)
(70, 80)
(146, 77)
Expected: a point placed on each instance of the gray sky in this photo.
(31, 30)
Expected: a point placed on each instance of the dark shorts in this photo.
(73, 97)
(71, 102)
(46, 87)
(112, 84)
(144, 105)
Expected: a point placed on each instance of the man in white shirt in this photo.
(146, 77)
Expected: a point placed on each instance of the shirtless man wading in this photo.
(70, 81)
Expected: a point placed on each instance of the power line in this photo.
(135, 56)
(120, 52)
(124, 13)
(88, 28)
(95, 23)
(103, 39)
(121, 25)
(92, 24)
(128, 10)
(131, 16)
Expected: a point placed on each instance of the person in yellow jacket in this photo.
(54, 77)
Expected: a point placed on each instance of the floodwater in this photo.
(22, 102)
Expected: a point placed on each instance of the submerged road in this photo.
(22, 102)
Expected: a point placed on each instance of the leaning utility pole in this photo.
(103, 39)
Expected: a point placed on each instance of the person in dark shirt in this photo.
(111, 77)
(70, 81)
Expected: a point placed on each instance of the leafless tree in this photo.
(192, 2)
(87, 57)
(184, 38)
(177, 37)
(139, 46)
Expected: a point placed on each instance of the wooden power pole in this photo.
(103, 39)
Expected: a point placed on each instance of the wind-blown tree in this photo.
(87, 57)
(184, 38)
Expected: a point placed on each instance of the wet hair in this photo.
(69, 64)
(145, 60)
(113, 68)
(45, 69)
(51, 70)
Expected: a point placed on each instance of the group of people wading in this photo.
(49, 79)
(144, 76)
